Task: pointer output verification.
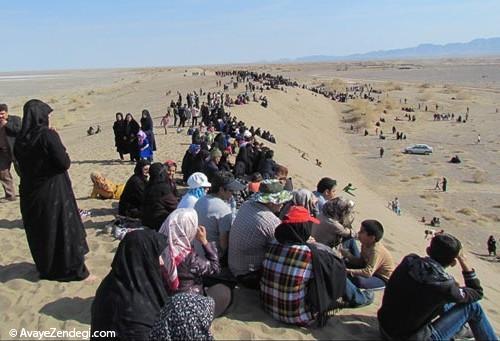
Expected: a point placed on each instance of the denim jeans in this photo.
(454, 318)
(368, 282)
(356, 297)
(350, 244)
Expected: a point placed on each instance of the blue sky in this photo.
(120, 33)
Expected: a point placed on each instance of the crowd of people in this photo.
(237, 225)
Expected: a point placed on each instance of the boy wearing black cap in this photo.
(422, 301)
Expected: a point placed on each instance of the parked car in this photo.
(419, 149)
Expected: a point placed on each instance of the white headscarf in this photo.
(180, 227)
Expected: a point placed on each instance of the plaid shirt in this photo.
(285, 275)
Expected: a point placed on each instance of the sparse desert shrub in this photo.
(468, 211)
(479, 176)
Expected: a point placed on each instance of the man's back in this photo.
(253, 228)
(215, 215)
(415, 295)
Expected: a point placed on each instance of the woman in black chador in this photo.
(120, 135)
(147, 127)
(55, 232)
(131, 130)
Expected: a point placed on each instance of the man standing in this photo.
(10, 126)
(381, 151)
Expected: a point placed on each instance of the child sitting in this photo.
(375, 265)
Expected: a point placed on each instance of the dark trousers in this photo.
(5, 176)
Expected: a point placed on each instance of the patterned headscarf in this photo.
(185, 316)
(180, 227)
(141, 136)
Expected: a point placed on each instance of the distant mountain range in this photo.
(474, 48)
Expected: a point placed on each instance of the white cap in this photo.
(247, 133)
(198, 179)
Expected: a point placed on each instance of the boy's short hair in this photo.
(4, 107)
(444, 248)
(373, 228)
(326, 184)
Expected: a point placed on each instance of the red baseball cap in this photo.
(299, 214)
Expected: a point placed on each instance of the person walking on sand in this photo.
(478, 141)
(444, 184)
(492, 246)
(381, 151)
(165, 121)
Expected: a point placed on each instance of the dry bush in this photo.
(429, 196)
(424, 96)
(415, 177)
(448, 217)
(361, 114)
(425, 86)
(336, 84)
(430, 173)
(493, 217)
(404, 180)
(463, 96)
(449, 89)
(468, 211)
(391, 86)
(479, 176)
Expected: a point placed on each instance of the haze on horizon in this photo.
(106, 34)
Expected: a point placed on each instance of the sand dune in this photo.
(302, 122)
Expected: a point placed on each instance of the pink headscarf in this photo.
(180, 227)
(141, 136)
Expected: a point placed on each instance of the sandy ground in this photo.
(302, 123)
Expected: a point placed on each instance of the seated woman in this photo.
(198, 188)
(104, 188)
(171, 170)
(159, 201)
(302, 197)
(302, 282)
(129, 299)
(335, 226)
(132, 197)
(183, 270)
(184, 317)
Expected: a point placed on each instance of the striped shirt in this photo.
(286, 272)
(252, 231)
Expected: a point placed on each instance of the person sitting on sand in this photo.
(373, 267)
(302, 281)
(252, 230)
(214, 211)
(198, 185)
(183, 269)
(104, 188)
(159, 200)
(302, 197)
(349, 189)
(335, 226)
(129, 299)
(171, 182)
(90, 131)
(185, 316)
(132, 198)
(325, 190)
(255, 180)
(423, 302)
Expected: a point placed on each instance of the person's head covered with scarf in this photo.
(180, 228)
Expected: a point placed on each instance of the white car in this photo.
(419, 149)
